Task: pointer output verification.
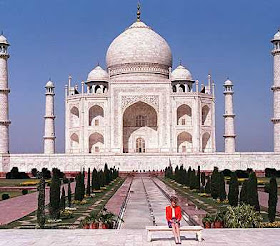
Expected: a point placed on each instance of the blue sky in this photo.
(56, 38)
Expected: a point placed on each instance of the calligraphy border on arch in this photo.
(152, 100)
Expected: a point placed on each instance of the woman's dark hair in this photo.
(174, 199)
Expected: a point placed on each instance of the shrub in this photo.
(242, 216)
(24, 191)
(227, 172)
(34, 172)
(46, 173)
(215, 183)
(270, 172)
(233, 190)
(15, 174)
(241, 174)
(5, 196)
(252, 192)
(273, 198)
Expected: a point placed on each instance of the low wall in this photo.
(130, 162)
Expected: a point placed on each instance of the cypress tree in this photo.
(223, 194)
(106, 174)
(176, 173)
(79, 187)
(233, 190)
(95, 180)
(208, 185)
(193, 181)
(83, 185)
(189, 177)
(198, 178)
(273, 198)
(101, 178)
(88, 182)
(41, 218)
(69, 195)
(243, 193)
(252, 191)
(54, 206)
(215, 183)
(203, 179)
(62, 199)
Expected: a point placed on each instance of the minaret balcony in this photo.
(275, 120)
(5, 122)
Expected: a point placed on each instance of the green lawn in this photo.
(13, 193)
(11, 182)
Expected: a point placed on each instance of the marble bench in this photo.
(195, 229)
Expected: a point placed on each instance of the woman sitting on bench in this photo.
(173, 217)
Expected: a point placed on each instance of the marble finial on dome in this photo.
(138, 12)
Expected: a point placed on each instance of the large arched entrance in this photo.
(140, 129)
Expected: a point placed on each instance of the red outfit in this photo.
(178, 214)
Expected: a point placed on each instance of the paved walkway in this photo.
(18, 207)
(211, 237)
(146, 205)
(115, 203)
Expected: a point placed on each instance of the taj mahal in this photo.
(138, 113)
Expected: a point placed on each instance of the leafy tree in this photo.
(34, 172)
(41, 218)
(62, 199)
(88, 182)
(215, 183)
(243, 193)
(233, 190)
(223, 194)
(252, 191)
(69, 196)
(208, 185)
(54, 206)
(273, 198)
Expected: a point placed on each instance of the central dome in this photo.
(139, 50)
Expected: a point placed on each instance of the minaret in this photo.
(49, 138)
(276, 91)
(4, 96)
(229, 118)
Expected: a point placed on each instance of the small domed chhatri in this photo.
(181, 74)
(228, 82)
(276, 36)
(3, 39)
(49, 84)
(98, 74)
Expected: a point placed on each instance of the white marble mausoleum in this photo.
(138, 113)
